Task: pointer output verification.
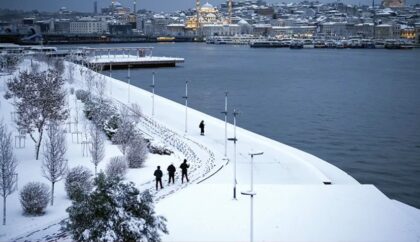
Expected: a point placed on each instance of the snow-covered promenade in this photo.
(292, 202)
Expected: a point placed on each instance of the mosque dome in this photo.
(207, 5)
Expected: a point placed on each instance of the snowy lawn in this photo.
(292, 202)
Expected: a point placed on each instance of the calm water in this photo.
(357, 109)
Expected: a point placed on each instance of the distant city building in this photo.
(387, 31)
(88, 26)
(393, 3)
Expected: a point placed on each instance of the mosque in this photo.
(207, 15)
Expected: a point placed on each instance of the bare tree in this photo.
(39, 98)
(97, 149)
(8, 163)
(54, 166)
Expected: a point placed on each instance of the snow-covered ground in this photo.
(292, 202)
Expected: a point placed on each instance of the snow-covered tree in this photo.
(70, 72)
(126, 130)
(8, 163)
(97, 148)
(137, 152)
(34, 198)
(39, 99)
(115, 211)
(54, 165)
(78, 182)
(117, 167)
(58, 65)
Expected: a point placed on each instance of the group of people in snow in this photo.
(171, 168)
(171, 172)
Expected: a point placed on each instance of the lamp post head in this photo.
(256, 153)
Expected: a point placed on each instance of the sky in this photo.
(155, 5)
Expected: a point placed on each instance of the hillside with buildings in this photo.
(390, 19)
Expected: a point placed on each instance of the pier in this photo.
(124, 57)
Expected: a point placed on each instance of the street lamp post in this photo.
(251, 193)
(225, 112)
(129, 82)
(110, 75)
(234, 139)
(186, 106)
(153, 94)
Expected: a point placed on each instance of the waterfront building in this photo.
(220, 29)
(335, 29)
(387, 31)
(295, 31)
(365, 30)
(261, 29)
(88, 26)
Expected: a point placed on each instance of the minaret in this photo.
(197, 8)
(230, 11)
(134, 6)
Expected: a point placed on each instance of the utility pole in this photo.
(153, 94)
(234, 139)
(251, 193)
(186, 106)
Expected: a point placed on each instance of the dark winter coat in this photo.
(184, 167)
(201, 126)
(158, 174)
(171, 169)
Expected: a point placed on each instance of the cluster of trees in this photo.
(120, 211)
(118, 125)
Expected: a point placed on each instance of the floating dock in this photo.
(127, 57)
(123, 62)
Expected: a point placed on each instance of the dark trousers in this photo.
(202, 131)
(171, 177)
(159, 180)
(184, 174)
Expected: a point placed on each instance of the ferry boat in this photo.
(308, 44)
(296, 44)
(319, 44)
(266, 44)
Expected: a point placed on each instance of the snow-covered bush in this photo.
(82, 95)
(101, 111)
(34, 198)
(136, 152)
(159, 149)
(117, 167)
(9, 62)
(111, 126)
(115, 211)
(58, 65)
(78, 182)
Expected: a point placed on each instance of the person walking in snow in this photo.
(184, 168)
(171, 172)
(201, 127)
(158, 174)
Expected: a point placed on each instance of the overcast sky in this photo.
(155, 5)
